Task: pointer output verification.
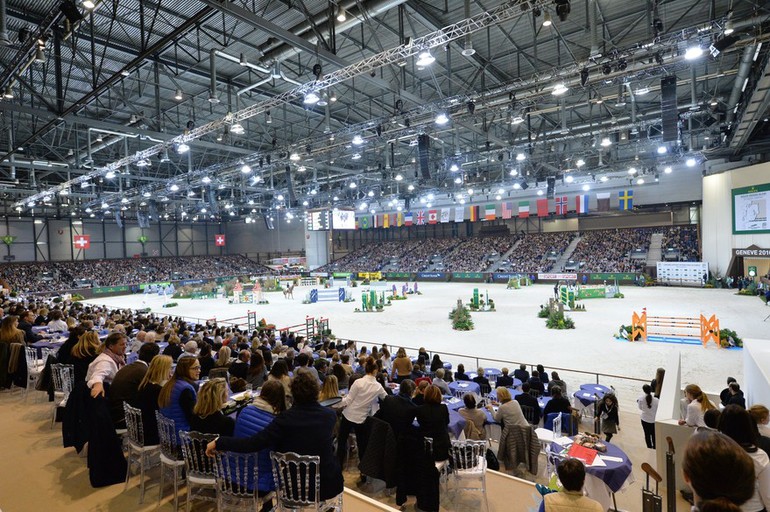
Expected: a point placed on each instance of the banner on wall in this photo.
(557, 277)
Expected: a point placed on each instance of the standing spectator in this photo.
(433, 418)
(607, 415)
(697, 404)
(402, 366)
(648, 404)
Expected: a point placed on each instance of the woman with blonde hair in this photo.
(330, 389)
(84, 352)
(697, 404)
(402, 366)
(147, 398)
(207, 415)
(223, 357)
(9, 330)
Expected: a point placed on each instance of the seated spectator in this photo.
(417, 371)
(103, 369)
(26, 321)
(174, 349)
(9, 331)
(280, 372)
(475, 419)
(460, 373)
(57, 324)
(342, 376)
(736, 395)
(530, 401)
(725, 395)
(125, 385)
(190, 349)
(556, 381)
(720, 472)
(206, 360)
(146, 399)
(304, 364)
(436, 363)
(329, 389)
(542, 374)
(535, 382)
(522, 374)
(257, 373)
(761, 416)
(419, 392)
(711, 419)
(178, 397)
(482, 381)
(504, 380)
(138, 341)
(240, 367)
(440, 383)
(736, 423)
(557, 403)
(509, 412)
(306, 428)
(207, 414)
(572, 475)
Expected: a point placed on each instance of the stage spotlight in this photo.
(70, 11)
(606, 68)
(584, 77)
(562, 9)
(471, 107)
(622, 64)
(659, 58)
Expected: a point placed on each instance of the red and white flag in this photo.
(507, 211)
(219, 240)
(561, 205)
(82, 241)
(432, 216)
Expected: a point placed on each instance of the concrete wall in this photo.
(717, 233)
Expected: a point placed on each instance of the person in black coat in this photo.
(530, 401)
(535, 382)
(399, 410)
(125, 385)
(25, 324)
(482, 381)
(557, 403)
(307, 429)
(522, 374)
(725, 395)
(736, 395)
(207, 414)
(433, 418)
(504, 380)
(460, 373)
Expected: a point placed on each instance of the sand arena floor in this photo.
(514, 333)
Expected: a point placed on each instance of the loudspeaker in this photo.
(70, 11)
(290, 186)
(423, 145)
(551, 183)
(668, 106)
(524, 185)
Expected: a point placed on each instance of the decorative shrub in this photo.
(461, 319)
(543, 313)
(729, 338)
(170, 304)
(618, 296)
(557, 320)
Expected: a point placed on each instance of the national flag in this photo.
(366, 222)
(523, 209)
(358, 222)
(561, 205)
(603, 201)
(626, 199)
(474, 213)
(445, 215)
(399, 219)
(507, 211)
(82, 241)
(460, 214)
(489, 212)
(542, 207)
(408, 219)
(581, 203)
(432, 216)
(377, 221)
(219, 240)
(385, 220)
(421, 218)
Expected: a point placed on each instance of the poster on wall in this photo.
(750, 209)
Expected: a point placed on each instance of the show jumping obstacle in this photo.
(675, 329)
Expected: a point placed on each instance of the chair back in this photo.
(236, 475)
(219, 372)
(557, 426)
(468, 455)
(484, 389)
(529, 413)
(197, 463)
(566, 423)
(33, 363)
(134, 424)
(63, 376)
(298, 480)
(535, 393)
(421, 379)
(169, 446)
(459, 392)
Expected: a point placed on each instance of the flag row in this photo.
(559, 205)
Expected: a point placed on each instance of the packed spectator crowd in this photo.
(369, 258)
(684, 240)
(56, 276)
(531, 253)
(423, 252)
(610, 250)
(477, 253)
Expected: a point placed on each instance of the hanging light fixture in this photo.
(559, 89)
(88, 4)
(341, 14)
(425, 59)
(547, 21)
(39, 55)
(605, 142)
(8, 93)
(178, 95)
(442, 119)
(311, 98)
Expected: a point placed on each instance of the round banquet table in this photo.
(585, 398)
(596, 388)
(464, 386)
(603, 481)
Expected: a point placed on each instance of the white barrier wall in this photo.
(756, 370)
(717, 234)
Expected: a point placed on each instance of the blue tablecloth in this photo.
(132, 357)
(596, 388)
(51, 344)
(464, 386)
(586, 397)
(614, 474)
(492, 373)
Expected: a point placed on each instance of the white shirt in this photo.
(358, 401)
(694, 416)
(648, 413)
(102, 369)
(761, 498)
(57, 326)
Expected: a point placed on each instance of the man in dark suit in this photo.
(241, 366)
(530, 401)
(504, 380)
(399, 410)
(307, 429)
(125, 385)
(736, 395)
(522, 374)
(535, 382)
(482, 381)
(25, 324)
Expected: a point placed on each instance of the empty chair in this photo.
(442, 466)
(237, 477)
(568, 425)
(138, 452)
(170, 455)
(199, 467)
(298, 482)
(63, 376)
(469, 463)
(34, 366)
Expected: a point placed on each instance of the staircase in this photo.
(494, 266)
(566, 255)
(655, 251)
